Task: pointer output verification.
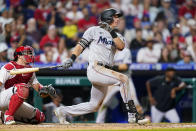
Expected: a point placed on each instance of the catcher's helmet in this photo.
(26, 51)
(107, 15)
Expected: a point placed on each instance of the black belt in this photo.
(104, 65)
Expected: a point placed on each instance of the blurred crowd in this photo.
(155, 30)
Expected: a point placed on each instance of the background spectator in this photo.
(13, 45)
(33, 34)
(3, 52)
(70, 32)
(75, 15)
(186, 59)
(86, 22)
(187, 9)
(192, 49)
(171, 53)
(168, 12)
(50, 37)
(148, 54)
(49, 55)
(138, 42)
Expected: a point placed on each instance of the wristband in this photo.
(73, 57)
(113, 34)
(115, 68)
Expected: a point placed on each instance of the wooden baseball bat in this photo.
(29, 70)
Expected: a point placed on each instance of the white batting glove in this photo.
(67, 63)
(105, 26)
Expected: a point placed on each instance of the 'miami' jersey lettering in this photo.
(105, 41)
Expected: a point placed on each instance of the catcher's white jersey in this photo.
(102, 47)
(9, 80)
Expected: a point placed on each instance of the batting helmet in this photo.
(26, 51)
(107, 15)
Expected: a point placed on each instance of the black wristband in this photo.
(113, 34)
(73, 57)
(115, 68)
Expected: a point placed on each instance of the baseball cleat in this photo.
(9, 120)
(140, 119)
(131, 118)
(61, 115)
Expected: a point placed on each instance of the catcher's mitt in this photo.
(47, 91)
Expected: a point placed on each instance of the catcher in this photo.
(14, 89)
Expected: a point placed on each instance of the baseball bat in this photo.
(29, 70)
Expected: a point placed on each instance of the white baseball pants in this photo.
(158, 115)
(101, 78)
(112, 90)
(24, 113)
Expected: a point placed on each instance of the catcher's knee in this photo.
(22, 90)
(39, 116)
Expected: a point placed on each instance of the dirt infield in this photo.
(98, 127)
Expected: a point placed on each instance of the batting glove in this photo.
(67, 63)
(107, 27)
(47, 90)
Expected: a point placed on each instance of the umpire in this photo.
(162, 93)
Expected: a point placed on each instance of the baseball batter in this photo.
(122, 60)
(103, 42)
(15, 89)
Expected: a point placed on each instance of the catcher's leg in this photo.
(28, 114)
(21, 92)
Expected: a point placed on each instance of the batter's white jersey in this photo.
(102, 47)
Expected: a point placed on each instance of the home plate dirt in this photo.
(91, 127)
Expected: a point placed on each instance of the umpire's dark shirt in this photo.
(161, 91)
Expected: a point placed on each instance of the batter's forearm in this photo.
(121, 67)
(77, 50)
(120, 45)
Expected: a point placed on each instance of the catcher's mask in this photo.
(26, 51)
